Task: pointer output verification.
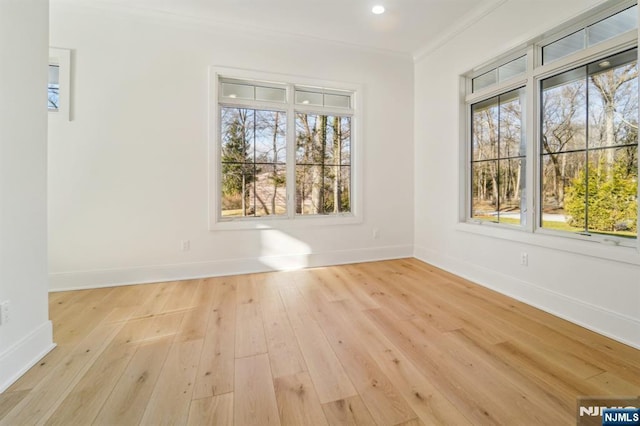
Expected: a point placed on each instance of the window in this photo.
(284, 151)
(498, 158)
(569, 121)
(59, 84)
(53, 87)
(589, 147)
(591, 35)
(323, 164)
(500, 74)
(253, 162)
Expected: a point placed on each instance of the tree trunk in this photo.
(318, 171)
(608, 84)
(609, 137)
(308, 147)
(558, 185)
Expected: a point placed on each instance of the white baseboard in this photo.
(148, 274)
(20, 357)
(609, 323)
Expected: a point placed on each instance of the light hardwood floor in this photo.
(389, 343)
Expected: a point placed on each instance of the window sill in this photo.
(298, 222)
(541, 238)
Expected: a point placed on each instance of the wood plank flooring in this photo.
(384, 343)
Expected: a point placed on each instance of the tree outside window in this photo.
(253, 162)
(498, 159)
(589, 148)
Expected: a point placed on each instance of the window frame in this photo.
(469, 99)
(291, 219)
(585, 59)
(611, 247)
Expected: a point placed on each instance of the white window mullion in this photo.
(532, 130)
(291, 154)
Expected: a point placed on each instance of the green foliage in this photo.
(237, 170)
(611, 199)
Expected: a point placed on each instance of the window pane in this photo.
(498, 190)
(338, 133)
(345, 141)
(511, 177)
(564, 112)
(269, 190)
(310, 138)
(512, 69)
(613, 101)
(560, 171)
(271, 94)
(308, 98)
(54, 88)
(252, 156)
(484, 184)
(602, 198)
(237, 126)
(236, 181)
(239, 91)
(563, 47)
(615, 25)
(485, 129)
(323, 160)
(344, 195)
(309, 186)
(323, 139)
(512, 140)
(339, 101)
(270, 137)
(485, 80)
(336, 189)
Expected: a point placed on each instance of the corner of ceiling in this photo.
(475, 15)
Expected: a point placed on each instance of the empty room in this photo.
(381, 212)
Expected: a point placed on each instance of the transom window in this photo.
(582, 151)
(591, 35)
(284, 150)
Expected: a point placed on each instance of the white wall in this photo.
(600, 294)
(128, 176)
(23, 197)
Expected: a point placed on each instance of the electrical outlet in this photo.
(4, 312)
(185, 245)
(524, 258)
(376, 233)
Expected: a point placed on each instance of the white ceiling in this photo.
(407, 26)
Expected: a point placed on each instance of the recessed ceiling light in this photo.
(378, 9)
(604, 64)
(306, 102)
(233, 95)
